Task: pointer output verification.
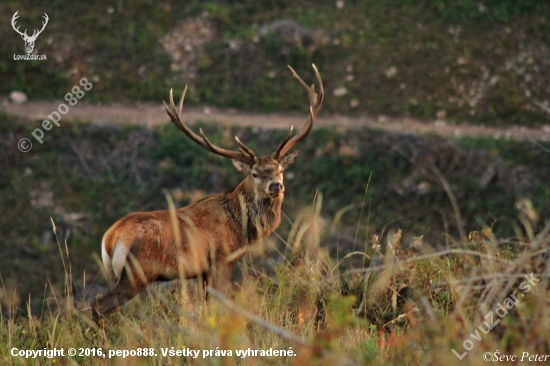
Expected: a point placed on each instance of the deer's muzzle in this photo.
(276, 188)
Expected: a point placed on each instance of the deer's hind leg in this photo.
(126, 289)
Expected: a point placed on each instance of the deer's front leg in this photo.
(222, 275)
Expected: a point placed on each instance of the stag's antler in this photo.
(37, 32)
(13, 19)
(24, 34)
(315, 100)
(245, 154)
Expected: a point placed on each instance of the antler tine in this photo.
(316, 101)
(241, 155)
(245, 149)
(13, 21)
(45, 16)
(180, 108)
(277, 152)
(175, 116)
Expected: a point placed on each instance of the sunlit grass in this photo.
(410, 306)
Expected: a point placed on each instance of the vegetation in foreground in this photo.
(336, 287)
(410, 306)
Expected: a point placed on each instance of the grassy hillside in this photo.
(474, 61)
(373, 183)
(485, 300)
(409, 242)
(394, 249)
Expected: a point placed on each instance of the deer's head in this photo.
(264, 174)
(29, 40)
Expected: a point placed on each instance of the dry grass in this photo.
(410, 306)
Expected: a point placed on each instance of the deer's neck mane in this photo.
(262, 216)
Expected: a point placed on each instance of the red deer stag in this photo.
(210, 234)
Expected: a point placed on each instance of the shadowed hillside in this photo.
(473, 61)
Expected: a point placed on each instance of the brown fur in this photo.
(144, 247)
(209, 231)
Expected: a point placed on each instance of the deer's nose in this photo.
(275, 188)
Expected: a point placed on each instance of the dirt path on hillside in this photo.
(153, 114)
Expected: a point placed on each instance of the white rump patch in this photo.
(105, 257)
(119, 257)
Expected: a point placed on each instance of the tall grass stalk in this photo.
(412, 306)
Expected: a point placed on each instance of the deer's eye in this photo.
(254, 175)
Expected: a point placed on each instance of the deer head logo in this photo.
(29, 40)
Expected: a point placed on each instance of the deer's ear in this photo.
(289, 159)
(241, 167)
